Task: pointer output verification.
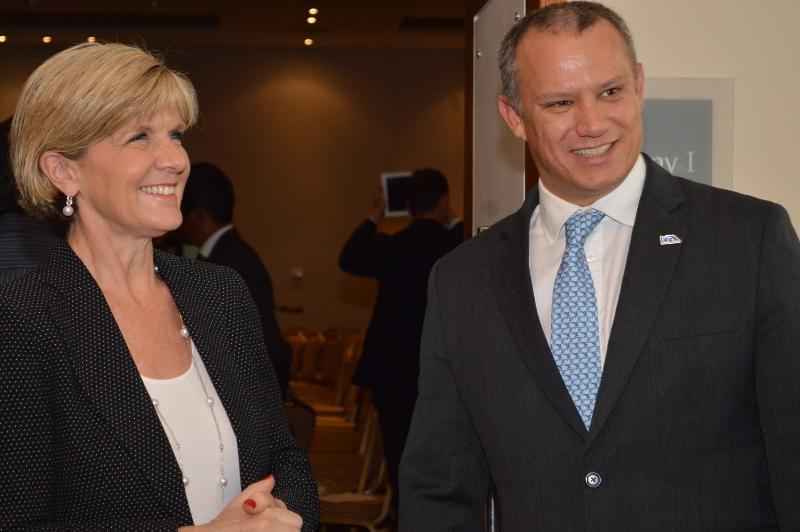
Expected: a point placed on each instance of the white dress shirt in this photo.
(606, 248)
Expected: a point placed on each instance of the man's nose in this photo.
(590, 120)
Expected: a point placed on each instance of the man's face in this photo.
(581, 103)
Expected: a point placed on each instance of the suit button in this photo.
(593, 479)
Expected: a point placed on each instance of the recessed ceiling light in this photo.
(47, 39)
(2, 38)
(313, 11)
(91, 38)
(311, 20)
(308, 42)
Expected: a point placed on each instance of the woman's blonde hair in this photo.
(80, 96)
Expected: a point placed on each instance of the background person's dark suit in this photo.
(230, 250)
(389, 365)
(82, 446)
(24, 242)
(697, 420)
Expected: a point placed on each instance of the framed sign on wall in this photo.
(688, 127)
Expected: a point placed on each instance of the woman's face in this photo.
(131, 182)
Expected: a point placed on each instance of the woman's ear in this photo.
(61, 171)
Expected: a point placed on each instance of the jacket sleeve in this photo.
(443, 474)
(777, 363)
(29, 448)
(364, 253)
(294, 483)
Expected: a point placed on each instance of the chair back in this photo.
(347, 367)
(310, 357)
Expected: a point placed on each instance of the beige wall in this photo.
(305, 134)
(756, 44)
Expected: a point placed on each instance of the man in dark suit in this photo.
(24, 240)
(207, 208)
(401, 262)
(621, 354)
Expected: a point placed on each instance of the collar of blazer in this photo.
(648, 270)
(108, 376)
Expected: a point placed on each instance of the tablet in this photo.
(394, 192)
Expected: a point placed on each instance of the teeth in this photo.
(160, 190)
(591, 152)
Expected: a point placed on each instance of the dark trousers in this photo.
(395, 419)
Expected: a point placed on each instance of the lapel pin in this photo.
(666, 240)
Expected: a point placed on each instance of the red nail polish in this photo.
(267, 477)
(250, 503)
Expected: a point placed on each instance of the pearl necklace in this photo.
(223, 481)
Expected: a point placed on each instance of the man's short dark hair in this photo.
(572, 17)
(425, 188)
(209, 188)
(8, 189)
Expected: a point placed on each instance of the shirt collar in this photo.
(620, 204)
(208, 245)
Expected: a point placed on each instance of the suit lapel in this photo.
(220, 253)
(512, 282)
(108, 377)
(648, 271)
(210, 326)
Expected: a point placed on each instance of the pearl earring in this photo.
(68, 210)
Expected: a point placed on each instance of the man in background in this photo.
(622, 353)
(24, 240)
(207, 208)
(401, 262)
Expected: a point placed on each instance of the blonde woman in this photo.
(135, 389)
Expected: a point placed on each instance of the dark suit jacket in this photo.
(24, 242)
(230, 250)
(401, 262)
(697, 420)
(82, 446)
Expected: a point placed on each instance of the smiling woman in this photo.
(136, 390)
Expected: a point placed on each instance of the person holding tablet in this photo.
(401, 262)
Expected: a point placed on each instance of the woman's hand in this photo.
(255, 509)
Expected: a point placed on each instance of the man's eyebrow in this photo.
(560, 95)
(617, 80)
(565, 95)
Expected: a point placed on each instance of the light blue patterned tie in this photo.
(575, 339)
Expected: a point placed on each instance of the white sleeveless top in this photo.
(183, 406)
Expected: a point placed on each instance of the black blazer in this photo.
(697, 420)
(230, 250)
(82, 446)
(401, 262)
